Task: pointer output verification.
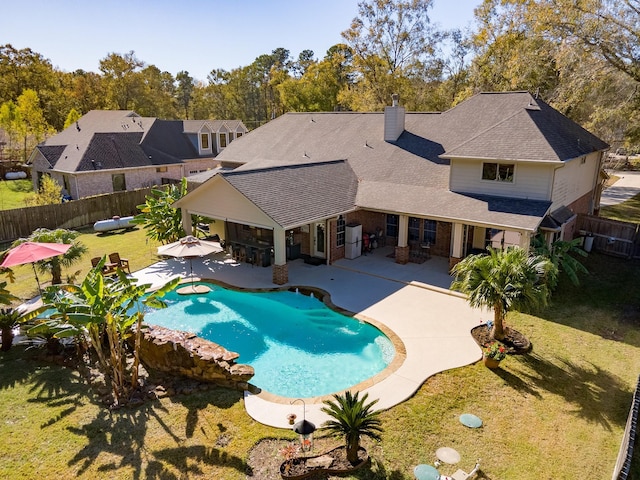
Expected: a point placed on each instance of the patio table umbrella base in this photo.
(193, 289)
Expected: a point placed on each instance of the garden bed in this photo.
(514, 341)
(333, 462)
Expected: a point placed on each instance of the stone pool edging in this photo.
(187, 355)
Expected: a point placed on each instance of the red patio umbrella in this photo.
(31, 252)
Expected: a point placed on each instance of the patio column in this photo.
(402, 249)
(525, 240)
(457, 239)
(280, 274)
(186, 221)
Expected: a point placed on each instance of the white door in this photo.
(319, 240)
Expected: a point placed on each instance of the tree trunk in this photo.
(352, 451)
(136, 352)
(497, 331)
(56, 275)
(7, 338)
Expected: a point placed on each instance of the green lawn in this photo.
(133, 245)
(13, 193)
(627, 211)
(558, 412)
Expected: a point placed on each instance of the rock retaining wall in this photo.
(186, 354)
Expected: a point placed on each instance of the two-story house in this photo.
(495, 170)
(113, 150)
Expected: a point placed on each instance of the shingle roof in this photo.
(526, 129)
(105, 139)
(52, 153)
(440, 204)
(298, 194)
(411, 175)
(194, 126)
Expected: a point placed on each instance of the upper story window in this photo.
(230, 137)
(238, 134)
(204, 141)
(223, 140)
(501, 172)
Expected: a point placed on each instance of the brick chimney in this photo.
(393, 120)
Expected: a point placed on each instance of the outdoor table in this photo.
(426, 472)
(447, 455)
(470, 420)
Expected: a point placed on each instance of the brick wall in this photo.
(583, 204)
(86, 184)
(442, 246)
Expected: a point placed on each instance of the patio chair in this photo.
(117, 262)
(107, 268)
(462, 475)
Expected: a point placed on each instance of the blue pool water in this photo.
(297, 346)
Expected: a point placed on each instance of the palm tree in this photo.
(352, 418)
(8, 321)
(54, 265)
(504, 280)
(109, 313)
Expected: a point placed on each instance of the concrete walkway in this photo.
(431, 322)
(626, 187)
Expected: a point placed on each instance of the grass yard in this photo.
(133, 245)
(13, 193)
(558, 412)
(628, 211)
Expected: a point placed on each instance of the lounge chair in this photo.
(462, 475)
(123, 263)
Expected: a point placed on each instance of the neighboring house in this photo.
(494, 170)
(113, 150)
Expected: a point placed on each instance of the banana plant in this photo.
(107, 313)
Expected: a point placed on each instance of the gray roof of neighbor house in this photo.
(108, 139)
(410, 175)
(194, 126)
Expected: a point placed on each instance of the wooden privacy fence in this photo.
(611, 237)
(20, 222)
(622, 469)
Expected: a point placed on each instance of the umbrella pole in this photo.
(191, 270)
(37, 280)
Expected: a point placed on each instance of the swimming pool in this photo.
(297, 346)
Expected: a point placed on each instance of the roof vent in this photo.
(77, 126)
(533, 105)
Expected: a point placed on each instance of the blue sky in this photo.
(193, 35)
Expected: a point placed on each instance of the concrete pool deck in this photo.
(412, 300)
